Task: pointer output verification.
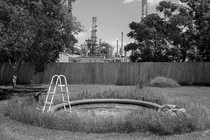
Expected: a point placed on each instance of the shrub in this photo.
(163, 82)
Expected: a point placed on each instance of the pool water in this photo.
(103, 110)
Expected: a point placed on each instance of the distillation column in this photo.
(122, 47)
(93, 36)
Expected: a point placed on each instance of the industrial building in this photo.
(101, 51)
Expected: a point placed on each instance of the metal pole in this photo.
(122, 48)
(117, 48)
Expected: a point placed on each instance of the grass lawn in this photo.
(13, 130)
(199, 95)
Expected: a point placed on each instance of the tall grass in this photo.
(136, 121)
(200, 114)
(134, 94)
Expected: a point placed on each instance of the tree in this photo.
(201, 18)
(70, 27)
(187, 21)
(17, 34)
(150, 44)
(182, 34)
(35, 31)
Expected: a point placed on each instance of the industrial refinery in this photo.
(96, 49)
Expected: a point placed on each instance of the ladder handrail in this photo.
(58, 82)
(65, 82)
(52, 79)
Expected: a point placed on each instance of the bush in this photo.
(163, 82)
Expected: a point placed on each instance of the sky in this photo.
(113, 17)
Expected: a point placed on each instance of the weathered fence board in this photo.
(110, 73)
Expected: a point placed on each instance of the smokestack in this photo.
(100, 41)
(144, 8)
(122, 48)
(117, 48)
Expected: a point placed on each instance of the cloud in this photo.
(150, 2)
(153, 2)
(81, 35)
(129, 1)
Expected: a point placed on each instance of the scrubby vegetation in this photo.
(25, 111)
(163, 82)
(135, 94)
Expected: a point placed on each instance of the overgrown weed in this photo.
(25, 111)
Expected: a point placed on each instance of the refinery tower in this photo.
(144, 8)
(92, 42)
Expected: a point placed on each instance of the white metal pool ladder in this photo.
(56, 81)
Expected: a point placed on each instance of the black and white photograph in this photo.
(104, 69)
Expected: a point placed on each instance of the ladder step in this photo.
(51, 92)
(48, 103)
(62, 85)
(67, 102)
(64, 92)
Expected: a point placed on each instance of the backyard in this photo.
(15, 130)
(152, 83)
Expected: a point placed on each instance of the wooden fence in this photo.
(111, 73)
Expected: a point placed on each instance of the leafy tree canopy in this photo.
(36, 30)
(182, 34)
